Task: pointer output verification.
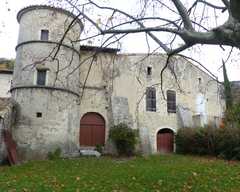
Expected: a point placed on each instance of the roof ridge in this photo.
(21, 11)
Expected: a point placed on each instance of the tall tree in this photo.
(227, 89)
(187, 23)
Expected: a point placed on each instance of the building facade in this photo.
(5, 82)
(66, 95)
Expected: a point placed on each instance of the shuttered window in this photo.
(171, 101)
(41, 77)
(151, 99)
(44, 35)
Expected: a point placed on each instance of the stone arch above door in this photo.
(92, 130)
(165, 141)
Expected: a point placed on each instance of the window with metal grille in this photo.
(151, 99)
(44, 35)
(41, 77)
(171, 101)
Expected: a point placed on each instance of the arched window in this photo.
(171, 101)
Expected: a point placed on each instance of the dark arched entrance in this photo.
(165, 141)
(92, 130)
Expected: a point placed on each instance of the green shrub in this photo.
(98, 147)
(124, 139)
(209, 140)
(230, 144)
(233, 114)
(190, 141)
(212, 139)
(56, 155)
(138, 153)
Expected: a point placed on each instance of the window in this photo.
(171, 101)
(149, 70)
(41, 77)
(39, 114)
(44, 35)
(199, 81)
(151, 99)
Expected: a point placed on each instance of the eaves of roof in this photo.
(5, 107)
(6, 71)
(100, 49)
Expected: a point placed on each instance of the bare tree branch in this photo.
(183, 12)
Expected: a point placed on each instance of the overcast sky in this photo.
(9, 25)
(211, 56)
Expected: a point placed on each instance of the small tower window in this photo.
(149, 70)
(39, 114)
(41, 77)
(199, 81)
(44, 35)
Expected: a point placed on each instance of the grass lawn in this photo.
(151, 173)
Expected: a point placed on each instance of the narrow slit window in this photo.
(41, 77)
(171, 101)
(44, 35)
(151, 99)
(199, 81)
(149, 70)
(39, 114)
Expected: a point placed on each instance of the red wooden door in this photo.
(85, 135)
(92, 130)
(98, 134)
(165, 143)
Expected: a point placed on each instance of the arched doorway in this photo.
(165, 141)
(92, 130)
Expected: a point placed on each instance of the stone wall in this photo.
(96, 88)
(46, 116)
(5, 82)
(116, 87)
(120, 110)
(132, 79)
(57, 126)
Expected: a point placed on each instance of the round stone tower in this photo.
(45, 82)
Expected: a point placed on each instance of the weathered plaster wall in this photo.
(33, 53)
(132, 80)
(35, 18)
(209, 88)
(115, 82)
(5, 82)
(57, 127)
(46, 116)
(95, 87)
(60, 72)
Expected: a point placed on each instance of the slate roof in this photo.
(35, 7)
(95, 48)
(5, 106)
(6, 71)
